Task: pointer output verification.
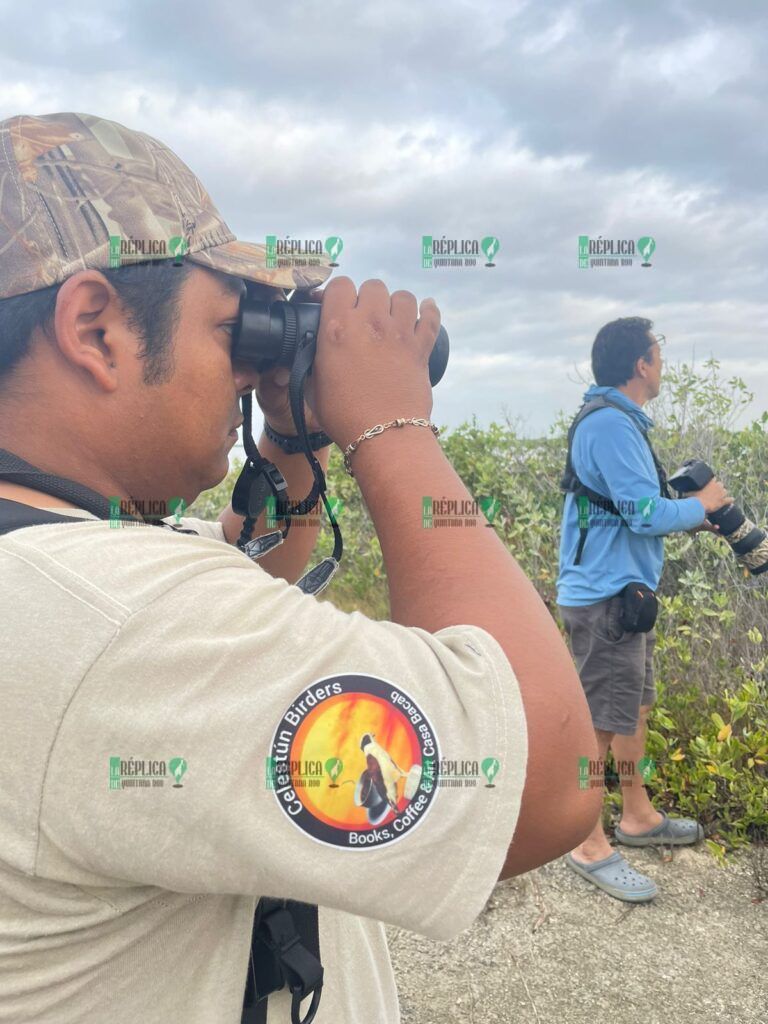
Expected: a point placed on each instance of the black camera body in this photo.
(748, 542)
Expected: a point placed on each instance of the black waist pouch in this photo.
(639, 608)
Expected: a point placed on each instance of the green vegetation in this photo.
(708, 732)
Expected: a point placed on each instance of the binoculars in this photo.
(268, 334)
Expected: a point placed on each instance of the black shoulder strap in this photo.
(570, 482)
(16, 470)
(661, 473)
(15, 516)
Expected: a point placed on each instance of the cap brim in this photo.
(249, 261)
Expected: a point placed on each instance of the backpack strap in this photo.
(16, 470)
(570, 483)
(15, 516)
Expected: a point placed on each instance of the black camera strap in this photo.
(285, 951)
(570, 483)
(285, 944)
(261, 478)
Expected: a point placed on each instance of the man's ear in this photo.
(89, 327)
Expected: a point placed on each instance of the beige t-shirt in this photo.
(147, 678)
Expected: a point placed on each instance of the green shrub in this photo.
(711, 756)
(708, 731)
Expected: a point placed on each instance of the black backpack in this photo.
(285, 940)
(570, 482)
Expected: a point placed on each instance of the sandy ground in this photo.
(549, 948)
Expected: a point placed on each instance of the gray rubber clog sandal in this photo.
(669, 832)
(614, 876)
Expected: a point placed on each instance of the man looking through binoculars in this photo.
(132, 645)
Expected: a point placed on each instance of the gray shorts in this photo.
(615, 667)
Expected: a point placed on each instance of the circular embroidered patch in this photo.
(352, 762)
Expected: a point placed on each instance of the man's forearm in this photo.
(289, 559)
(445, 577)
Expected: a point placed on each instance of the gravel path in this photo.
(549, 948)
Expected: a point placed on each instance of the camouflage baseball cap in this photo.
(74, 186)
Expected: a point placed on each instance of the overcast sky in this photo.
(533, 122)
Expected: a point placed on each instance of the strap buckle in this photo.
(291, 962)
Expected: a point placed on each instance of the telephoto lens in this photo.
(269, 332)
(748, 542)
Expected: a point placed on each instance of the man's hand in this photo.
(372, 362)
(712, 496)
(706, 526)
(272, 396)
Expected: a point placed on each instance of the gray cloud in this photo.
(532, 122)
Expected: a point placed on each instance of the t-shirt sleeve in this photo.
(239, 736)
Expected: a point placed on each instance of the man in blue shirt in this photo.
(610, 539)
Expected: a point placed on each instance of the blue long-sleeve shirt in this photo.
(610, 456)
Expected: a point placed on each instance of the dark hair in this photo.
(149, 292)
(617, 347)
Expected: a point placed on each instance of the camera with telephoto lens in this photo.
(749, 542)
(269, 333)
